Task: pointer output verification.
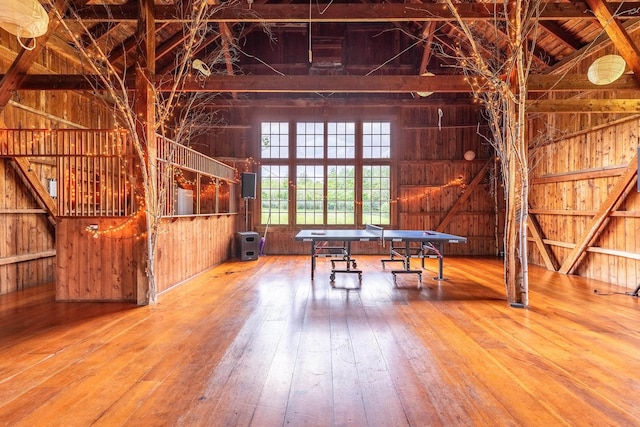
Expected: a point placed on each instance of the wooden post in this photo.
(145, 112)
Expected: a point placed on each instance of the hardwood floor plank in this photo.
(381, 398)
(310, 401)
(348, 403)
(272, 405)
(260, 344)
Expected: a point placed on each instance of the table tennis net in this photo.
(376, 231)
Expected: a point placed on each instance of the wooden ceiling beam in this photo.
(562, 35)
(577, 83)
(427, 34)
(346, 84)
(345, 12)
(623, 106)
(17, 72)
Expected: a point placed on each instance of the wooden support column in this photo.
(145, 113)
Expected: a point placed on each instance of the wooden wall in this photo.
(106, 266)
(27, 248)
(27, 245)
(97, 267)
(576, 159)
(188, 246)
(570, 182)
(432, 176)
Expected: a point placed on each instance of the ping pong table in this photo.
(403, 245)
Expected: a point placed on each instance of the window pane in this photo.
(376, 194)
(274, 189)
(310, 195)
(341, 140)
(274, 140)
(310, 140)
(376, 140)
(341, 194)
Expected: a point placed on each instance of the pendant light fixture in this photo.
(606, 69)
(26, 19)
(425, 94)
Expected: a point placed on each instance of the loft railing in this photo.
(95, 172)
(193, 184)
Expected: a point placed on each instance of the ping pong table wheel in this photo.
(332, 277)
(354, 264)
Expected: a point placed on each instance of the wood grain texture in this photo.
(105, 268)
(573, 162)
(26, 236)
(257, 343)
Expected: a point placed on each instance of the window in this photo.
(274, 139)
(328, 188)
(376, 140)
(310, 140)
(341, 194)
(376, 193)
(274, 189)
(310, 195)
(341, 140)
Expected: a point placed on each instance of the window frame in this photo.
(358, 163)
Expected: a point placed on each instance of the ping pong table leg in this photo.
(313, 257)
(405, 258)
(347, 254)
(440, 263)
(393, 252)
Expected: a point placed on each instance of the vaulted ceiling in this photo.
(266, 47)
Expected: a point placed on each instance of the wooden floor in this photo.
(257, 343)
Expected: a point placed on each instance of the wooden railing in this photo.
(194, 184)
(187, 158)
(96, 171)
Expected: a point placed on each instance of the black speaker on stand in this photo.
(248, 190)
(248, 185)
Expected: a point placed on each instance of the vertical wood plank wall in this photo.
(571, 180)
(433, 174)
(188, 246)
(27, 246)
(30, 235)
(103, 266)
(100, 268)
(576, 159)
(428, 146)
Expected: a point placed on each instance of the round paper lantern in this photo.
(24, 18)
(606, 70)
(469, 155)
(425, 94)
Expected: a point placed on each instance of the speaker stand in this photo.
(246, 214)
(635, 291)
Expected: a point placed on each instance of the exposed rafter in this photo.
(366, 12)
(346, 84)
(617, 33)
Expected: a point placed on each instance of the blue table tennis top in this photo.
(387, 235)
